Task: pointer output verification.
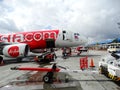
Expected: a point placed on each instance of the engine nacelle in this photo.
(16, 50)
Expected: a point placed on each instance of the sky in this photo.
(95, 19)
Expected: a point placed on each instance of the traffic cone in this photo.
(92, 63)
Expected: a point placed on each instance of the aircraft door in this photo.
(67, 35)
(50, 43)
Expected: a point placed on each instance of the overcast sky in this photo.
(96, 19)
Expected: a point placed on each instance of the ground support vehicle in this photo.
(114, 70)
(113, 49)
(45, 57)
(110, 67)
(81, 49)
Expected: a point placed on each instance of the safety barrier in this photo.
(84, 63)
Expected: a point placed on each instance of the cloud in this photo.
(96, 19)
(8, 25)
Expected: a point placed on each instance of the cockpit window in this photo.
(77, 34)
(74, 33)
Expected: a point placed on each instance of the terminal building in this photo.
(103, 45)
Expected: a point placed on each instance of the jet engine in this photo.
(15, 50)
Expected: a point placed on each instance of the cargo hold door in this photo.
(50, 43)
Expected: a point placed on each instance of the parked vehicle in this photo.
(113, 49)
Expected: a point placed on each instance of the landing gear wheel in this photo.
(46, 79)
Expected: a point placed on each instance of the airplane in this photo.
(18, 45)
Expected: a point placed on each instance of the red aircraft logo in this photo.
(13, 51)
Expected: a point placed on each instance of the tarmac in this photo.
(32, 80)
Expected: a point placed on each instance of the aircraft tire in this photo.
(48, 78)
